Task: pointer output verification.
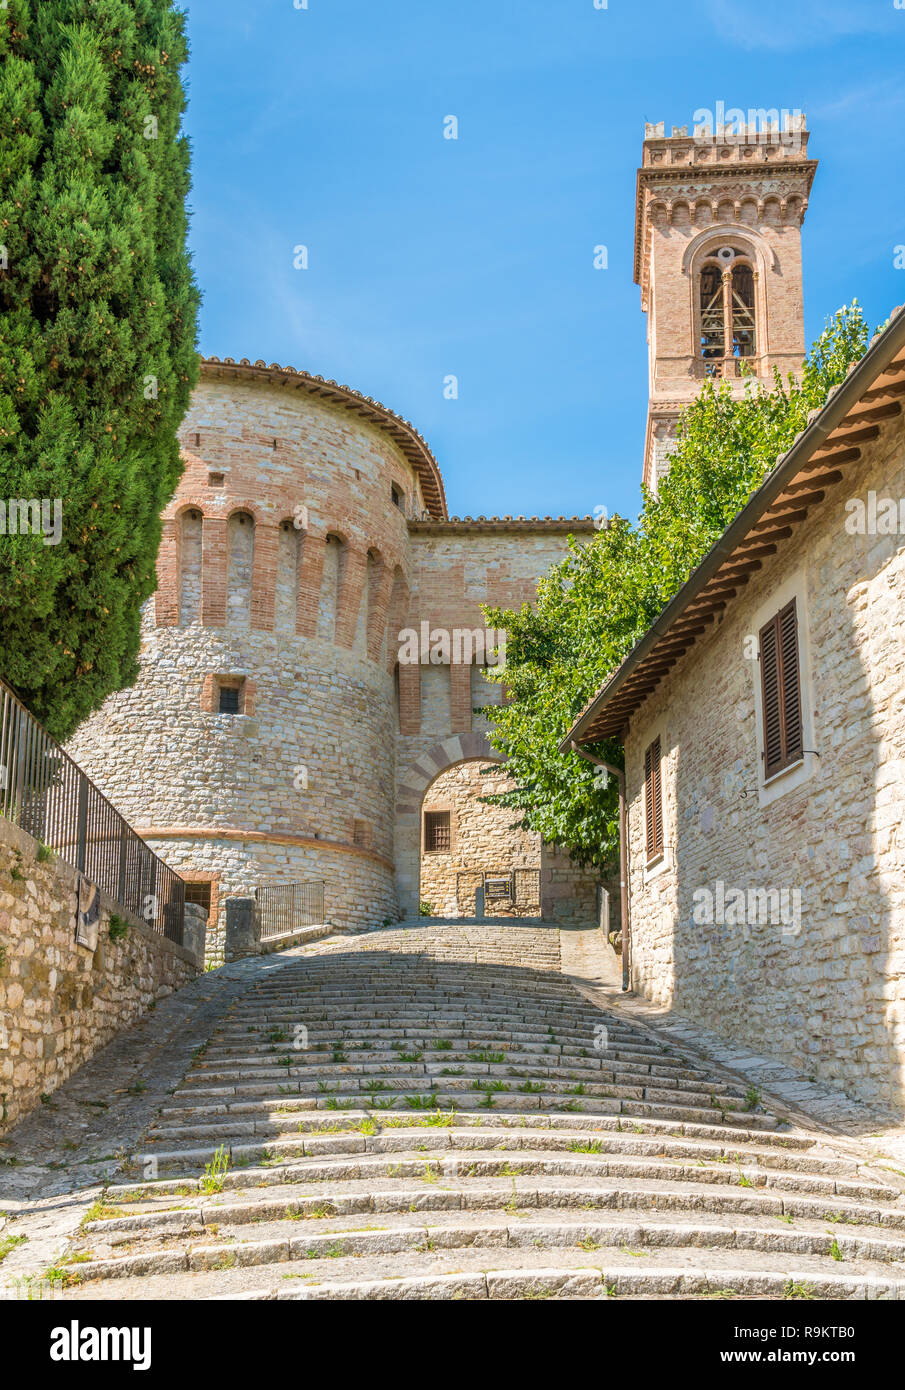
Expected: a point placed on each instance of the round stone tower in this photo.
(258, 743)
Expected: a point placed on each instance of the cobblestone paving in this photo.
(440, 1111)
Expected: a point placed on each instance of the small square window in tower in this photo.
(199, 893)
(230, 700)
(437, 839)
(398, 497)
(361, 834)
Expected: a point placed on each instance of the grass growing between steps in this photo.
(10, 1243)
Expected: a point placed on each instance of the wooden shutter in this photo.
(791, 684)
(653, 800)
(781, 690)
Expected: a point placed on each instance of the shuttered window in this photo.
(653, 801)
(781, 691)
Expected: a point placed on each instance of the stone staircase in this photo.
(435, 1113)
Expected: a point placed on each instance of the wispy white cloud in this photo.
(860, 99)
(777, 25)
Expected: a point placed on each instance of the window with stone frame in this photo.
(437, 832)
(200, 894)
(229, 697)
(222, 693)
(203, 889)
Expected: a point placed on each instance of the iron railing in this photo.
(725, 367)
(49, 796)
(283, 908)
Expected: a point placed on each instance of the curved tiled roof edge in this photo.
(401, 431)
(506, 523)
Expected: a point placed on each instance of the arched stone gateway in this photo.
(422, 772)
(568, 894)
(410, 790)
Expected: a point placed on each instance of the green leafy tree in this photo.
(598, 602)
(98, 313)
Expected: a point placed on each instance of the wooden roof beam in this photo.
(807, 499)
(749, 549)
(776, 526)
(711, 605)
(820, 481)
(694, 628)
(734, 568)
(831, 456)
(716, 600)
(659, 668)
(890, 391)
(784, 520)
(886, 411)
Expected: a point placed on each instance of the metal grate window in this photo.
(281, 909)
(437, 837)
(199, 893)
(229, 699)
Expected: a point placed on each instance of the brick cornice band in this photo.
(220, 832)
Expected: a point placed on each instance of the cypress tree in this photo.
(98, 313)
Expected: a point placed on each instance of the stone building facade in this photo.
(273, 734)
(768, 902)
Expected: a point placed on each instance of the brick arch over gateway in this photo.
(460, 748)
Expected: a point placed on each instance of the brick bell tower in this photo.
(718, 220)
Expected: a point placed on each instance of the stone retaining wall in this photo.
(61, 1002)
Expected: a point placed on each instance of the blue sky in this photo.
(431, 257)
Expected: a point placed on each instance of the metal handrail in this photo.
(283, 908)
(48, 795)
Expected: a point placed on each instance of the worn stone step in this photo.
(254, 1191)
(280, 1242)
(506, 1272)
(365, 1164)
(374, 1163)
(318, 1140)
